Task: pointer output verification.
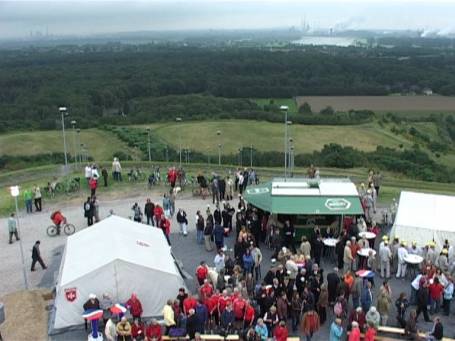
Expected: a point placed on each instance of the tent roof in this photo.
(425, 211)
(115, 238)
(306, 196)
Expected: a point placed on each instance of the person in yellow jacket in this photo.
(168, 313)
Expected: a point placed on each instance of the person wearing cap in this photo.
(430, 256)
(358, 316)
(373, 317)
(413, 250)
(385, 256)
(402, 254)
(384, 239)
(442, 261)
(91, 304)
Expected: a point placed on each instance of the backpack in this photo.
(177, 332)
(338, 309)
(87, 206)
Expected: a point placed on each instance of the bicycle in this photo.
(68, 229)
(68, 186)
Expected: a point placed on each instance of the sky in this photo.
(65, 17)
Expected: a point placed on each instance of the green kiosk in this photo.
(307, 202)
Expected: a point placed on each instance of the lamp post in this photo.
(240, 156)
(15, 193)
(251, 156)
(63, 113)
(219, 147)
(291, 157)
(148, 144)
(78, 146)
(284, 108)
(290, 140)
(73, 123)
(179, 119)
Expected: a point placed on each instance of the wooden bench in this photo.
(377, 337)
(400, 331)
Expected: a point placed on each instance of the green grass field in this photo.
(267, 136)
(278, 101)
(100, 144)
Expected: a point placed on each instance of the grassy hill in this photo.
(100, 144)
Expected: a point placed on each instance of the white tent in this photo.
(425, 217)
(119, 257)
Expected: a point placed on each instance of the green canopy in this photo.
(317, 203)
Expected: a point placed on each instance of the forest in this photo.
(143, 83)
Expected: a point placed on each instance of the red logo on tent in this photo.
(71, 294)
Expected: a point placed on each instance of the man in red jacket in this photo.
(223, 301)
(206, 290)
(202, 272)
(157, 214)
(153, 331)
(436, 290)
(135, 307)
(239, 306)
(172, 176)
(249, 315)
(189, 303)
(165, 225)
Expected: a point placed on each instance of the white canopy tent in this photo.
(119, 257)
(425, 217)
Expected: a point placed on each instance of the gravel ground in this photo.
(33, 227)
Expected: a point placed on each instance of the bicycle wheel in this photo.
(69, 229)
(51, 231)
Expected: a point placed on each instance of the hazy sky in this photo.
(63, 17)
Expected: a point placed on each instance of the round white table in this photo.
(330, 242)
(413, 259)
(367, 235)
(365, 252)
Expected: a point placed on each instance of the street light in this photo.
(219, 147)
(73, 123)
(14, 190)
(78, 146)
(63, 113)
(284, 108)
(240, 156)
(148, 144)
(179, 119)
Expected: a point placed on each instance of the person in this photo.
(437, 332)
(448, 296)
(202, 272)
(89, 211)
(422, 302)
(305, 246)
(257, 257)
(261, 330)
(383, 306)
(248, 262)
(333, 280)
(373, 317)
(401, 256)
(124, 330)
(281, 332)
(199, 227)
(105, 175)
(28, 198)
(436, 291)
(116, 170)
(137, 213)
(401, 304)
(88, 173)
(191, 323)
(322, 303)
(208, 233)
(336, 330)
(134, 306)
(367, 296)
(36, 256)
(12, 228)
(137, 330)
(37, 196)
(91, 304)
(218, 234)
(370, 334)
(310, 323)
(355, 332)
(289, 234)
(182, 221)
(110, 330)
(359, 316)
(153, 331)
(227, 318)
(219, 261)
(148, 211)
(410, 330)
(157, 214)
(385, 255)
(93, 184)
(347, 257)
(96, 209)
(168, 315)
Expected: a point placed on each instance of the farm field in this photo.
(101, 145)
(267, 136)
(290, 102)
(429, 104)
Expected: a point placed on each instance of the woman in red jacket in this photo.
(436, 290)
(281, 332)
(137, 330)
(135, 307)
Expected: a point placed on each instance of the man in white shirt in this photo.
(219, 261)
(415, 286)
(385, 254)
(402, 253)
